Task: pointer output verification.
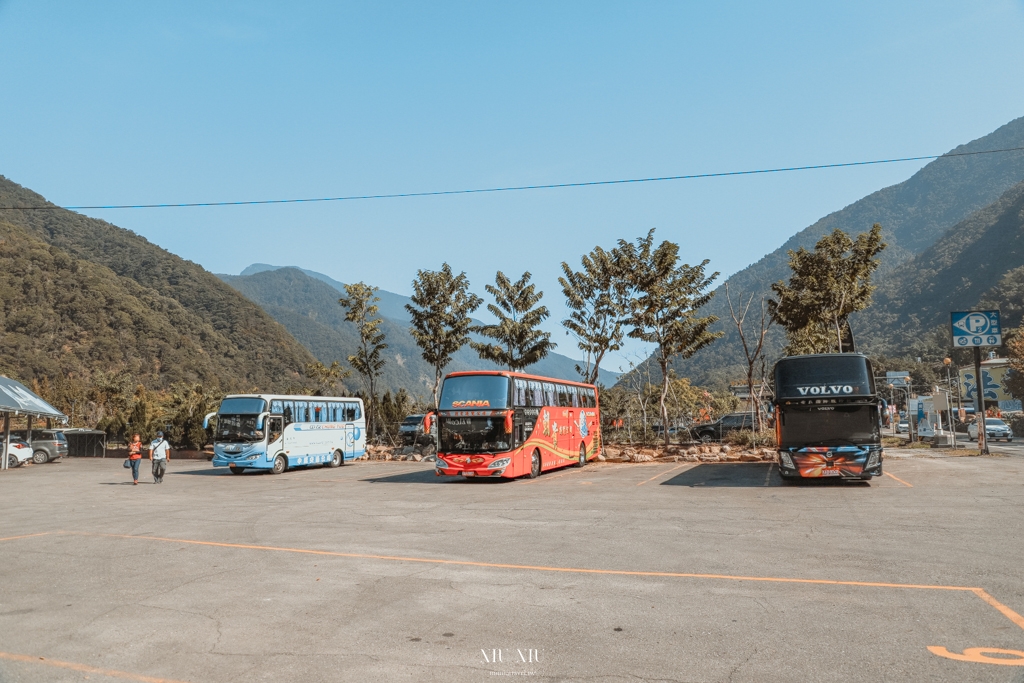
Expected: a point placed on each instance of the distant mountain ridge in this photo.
(306, 303)
(91, 297)
(914, 215)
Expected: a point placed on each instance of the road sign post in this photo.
(976, 329)
(979, 403)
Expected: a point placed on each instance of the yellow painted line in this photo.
(890, 474)
(981, 655)
(1006, 611)
(1013, 616)
(84, 668)
(542, 568)
(14, 538)
(677, 467)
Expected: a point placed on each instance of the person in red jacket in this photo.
(135, 456)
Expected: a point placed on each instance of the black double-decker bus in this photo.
(827, 417)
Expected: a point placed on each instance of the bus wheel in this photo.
(338, 459)
(280, 465)
(583, 455)
(535, 464)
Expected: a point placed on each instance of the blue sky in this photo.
(129, 102)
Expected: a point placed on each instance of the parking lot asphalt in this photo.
(613, 572)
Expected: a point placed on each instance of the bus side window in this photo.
(574, 396)
(549, 394)
(519, 392)
(588, 398)
(563, 396)
(534, 394)
(319, 411)
(334, 411)
(289, 412)
(274, 428)
(276, 407)
(301, 411)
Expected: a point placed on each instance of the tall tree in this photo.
(189, 404)
(361, 308)
(326, 377)
(665, 300)
(441, 308)
(753, 346)
(596, 297)
(520, 342)
(827, 286)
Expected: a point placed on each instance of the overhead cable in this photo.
(515, 188)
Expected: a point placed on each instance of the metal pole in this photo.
(979, 404)
(7, 439)
(949, 405)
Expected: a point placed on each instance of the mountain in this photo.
(306, 303)
(980, 259)
(914, 214)
(83, 296)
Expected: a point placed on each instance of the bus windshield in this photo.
(474, 435)
(838, 425)
(474, 391)
(846, 375)
(238, 428)
(242, 406)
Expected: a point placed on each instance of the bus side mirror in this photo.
(260, 419)
(206, 420)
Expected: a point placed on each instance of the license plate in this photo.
(830, 472)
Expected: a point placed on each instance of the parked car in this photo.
(714, 431)
(411, 430)
(47, 444)
(902, 427)
(19, 453)
(994, 429)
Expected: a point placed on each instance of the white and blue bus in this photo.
(275, 432)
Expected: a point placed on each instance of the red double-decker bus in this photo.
(508, 424)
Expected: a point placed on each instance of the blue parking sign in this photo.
(976, 328)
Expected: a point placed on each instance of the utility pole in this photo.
(979, 403)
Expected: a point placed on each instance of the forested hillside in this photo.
(980, 259)
(913, 214)
(95, 297)
(308, 307)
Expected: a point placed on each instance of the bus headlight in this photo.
(787, 461)
(498, 464)
(873, 460)
(253, 457)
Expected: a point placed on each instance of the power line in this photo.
(518, 188)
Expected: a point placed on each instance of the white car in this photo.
(18, 454)
(994, 429)
(902, 427)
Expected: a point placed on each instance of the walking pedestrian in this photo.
(159, 453)
(135, 456)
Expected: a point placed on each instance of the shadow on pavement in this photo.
(748, 475)
(428, 477)
(728, 474)
(211, 472)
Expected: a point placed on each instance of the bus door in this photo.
(350, 440)
(275, 432)
(573, 443)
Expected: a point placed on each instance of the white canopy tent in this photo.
(16, 400)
